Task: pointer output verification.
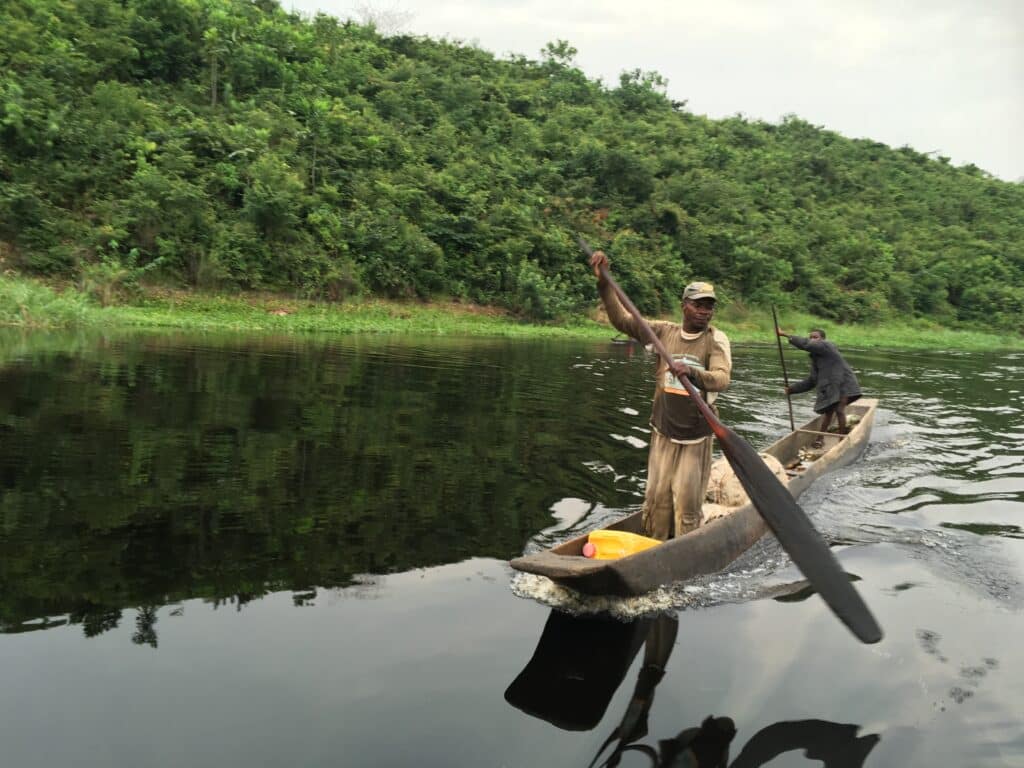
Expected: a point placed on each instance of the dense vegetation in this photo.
(225, 143)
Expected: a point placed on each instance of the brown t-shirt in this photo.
(673, 414)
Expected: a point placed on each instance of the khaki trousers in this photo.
(677, 479)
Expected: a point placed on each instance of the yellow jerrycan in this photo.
(611, 545)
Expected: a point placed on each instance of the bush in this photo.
(113, 276)
(539, 296)
(26, 303)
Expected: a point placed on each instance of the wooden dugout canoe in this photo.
(715, 544)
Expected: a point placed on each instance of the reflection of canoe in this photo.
(580, 662)
(578, 665)
(715, 544)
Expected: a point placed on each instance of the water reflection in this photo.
(143, 471)
(149, 470)
(188, 493)
(580, 662)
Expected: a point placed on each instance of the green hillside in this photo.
(232, 145)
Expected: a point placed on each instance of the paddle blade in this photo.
(798, 536)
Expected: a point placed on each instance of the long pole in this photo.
(785, 376)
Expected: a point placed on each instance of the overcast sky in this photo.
(942, 76)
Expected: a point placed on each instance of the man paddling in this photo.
(679, 460)
(831, 374)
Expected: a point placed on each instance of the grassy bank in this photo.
(31, 304)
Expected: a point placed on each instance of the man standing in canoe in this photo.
(836, 382)
(679, 461)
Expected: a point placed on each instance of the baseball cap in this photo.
(699, 291)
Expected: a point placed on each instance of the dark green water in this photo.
(293, 553)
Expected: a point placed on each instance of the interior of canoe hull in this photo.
(794, 451)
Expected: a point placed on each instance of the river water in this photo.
(227, 551)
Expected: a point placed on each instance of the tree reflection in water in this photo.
(580, 662)
(145, 626)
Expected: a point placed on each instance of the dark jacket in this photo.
(831, 374)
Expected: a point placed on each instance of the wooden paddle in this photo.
(785, 376)
(779, 509)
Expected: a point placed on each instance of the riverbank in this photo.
(31, 304)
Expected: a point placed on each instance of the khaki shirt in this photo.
(710, 345)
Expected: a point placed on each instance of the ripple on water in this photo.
(975, 562)
(635, 442)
